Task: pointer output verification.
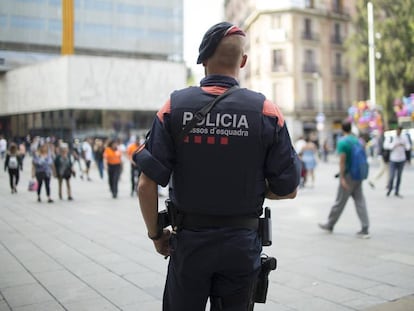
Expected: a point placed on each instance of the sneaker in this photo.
(49, 201)
(398, 195)
(38, 199)
(388, 192)
(326, 227)
(363, 234)
(70, 198)
(371, 184)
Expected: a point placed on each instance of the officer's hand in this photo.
(162, 245)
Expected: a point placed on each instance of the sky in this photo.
(198, 17)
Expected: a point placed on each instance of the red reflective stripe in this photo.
(216, 90)
(164, 109)
(272, 110)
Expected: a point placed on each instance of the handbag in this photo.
(33, 185)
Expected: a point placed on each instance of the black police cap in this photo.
(213, 37)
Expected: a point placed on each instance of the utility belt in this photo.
(178, 221)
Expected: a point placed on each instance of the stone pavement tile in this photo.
(125, 267)
(285, 295)
(67, 293)
(146, 279)
(24, 295)
(387, 292)
(364, 302)
(333, 293)
(291, 279)
(43, 306)
(98, 304)
(155, 291)
(4, 306)
(126, 295)
(316, 304)
(13, 279)
(403, 280)
(40, 264)
(147, 306)
(84, 269)
(51, 278)
(9, 264)
(105, 280)
(402, 304)
(399, 257)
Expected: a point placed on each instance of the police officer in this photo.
(219, 174)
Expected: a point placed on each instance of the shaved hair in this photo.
(229, 52)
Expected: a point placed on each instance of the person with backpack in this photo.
(13, 163)
(353, 169)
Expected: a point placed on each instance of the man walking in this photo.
(347, 186)
(398, 156)
(222, 166)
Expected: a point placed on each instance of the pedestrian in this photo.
(98, 150)
(13, 163)
(3, 146)
(348, 186)
(308, 156)
(113, 159)
(64, 169)
(398, 147)
(43, 169)
(87, 156)
(131, 149)
(221, 169)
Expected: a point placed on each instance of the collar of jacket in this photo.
(219, 80)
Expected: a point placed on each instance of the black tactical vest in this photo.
(219, 165)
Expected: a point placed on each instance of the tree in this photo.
(394, 45)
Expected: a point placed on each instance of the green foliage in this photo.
(394, 23)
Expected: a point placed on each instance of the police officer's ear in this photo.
(244, 61)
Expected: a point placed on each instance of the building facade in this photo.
(297, 57)
(128, 56)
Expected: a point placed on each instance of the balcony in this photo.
(340, 72)
(336, 39)
(308, 35)
(310, 68)
(338, 9)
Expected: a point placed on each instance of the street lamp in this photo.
(371, 55)
(320, 117)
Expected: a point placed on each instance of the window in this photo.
(337, 5)
(309, 65)
(337, 33)
(308, 28)
(277, 21)
(99, 5)
(309, 4)
(3, 21)
(309, 95)
(17, 21)
(339, 96)
(338, 63)
(278, 60)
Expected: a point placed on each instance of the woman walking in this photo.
(113, 159)
(64, 170)
(309, 154)
(13, 163)
(42, 169)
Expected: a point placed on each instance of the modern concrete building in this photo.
(128, 57)
(297, 58)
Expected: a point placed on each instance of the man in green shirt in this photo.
(347, 186)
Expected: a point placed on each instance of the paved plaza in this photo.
(93, 254)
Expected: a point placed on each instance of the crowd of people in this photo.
(55, 158)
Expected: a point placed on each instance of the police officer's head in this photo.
(222, 49)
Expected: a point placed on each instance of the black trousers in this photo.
(114, 172)
(13, 177)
